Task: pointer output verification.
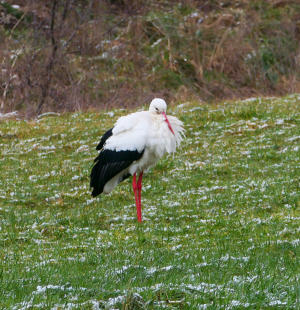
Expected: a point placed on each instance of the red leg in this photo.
(139, 187)
(136, 195)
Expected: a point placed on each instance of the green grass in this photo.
(221, 216)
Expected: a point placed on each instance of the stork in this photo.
(135, 143)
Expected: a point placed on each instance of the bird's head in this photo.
(159, 106)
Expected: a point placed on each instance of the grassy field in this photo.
(221, 216)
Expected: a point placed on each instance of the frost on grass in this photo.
(220, 215)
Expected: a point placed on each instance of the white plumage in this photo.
(135, 143)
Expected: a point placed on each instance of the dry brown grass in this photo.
(68, 55)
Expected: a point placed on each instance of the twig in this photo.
(11, 77)
(16, 24)
(50, 66)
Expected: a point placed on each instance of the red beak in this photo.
(167, 121)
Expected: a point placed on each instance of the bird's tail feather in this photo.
(108, 164)
(95, 183)
(102, 173)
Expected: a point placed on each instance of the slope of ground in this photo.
(221, 216)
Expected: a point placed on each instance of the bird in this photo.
(135, 144)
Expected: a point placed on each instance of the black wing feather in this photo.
(108, 164)
(104, 138)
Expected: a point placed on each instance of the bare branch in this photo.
(50, 66)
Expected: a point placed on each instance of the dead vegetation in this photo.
(66, 55)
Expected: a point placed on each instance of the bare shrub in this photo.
(66, 55)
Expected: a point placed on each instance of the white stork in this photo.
(135, 143)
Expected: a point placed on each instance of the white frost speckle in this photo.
(276, 302)
(279, 122)
(82, 148)
(110, 114)
(115, 300)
